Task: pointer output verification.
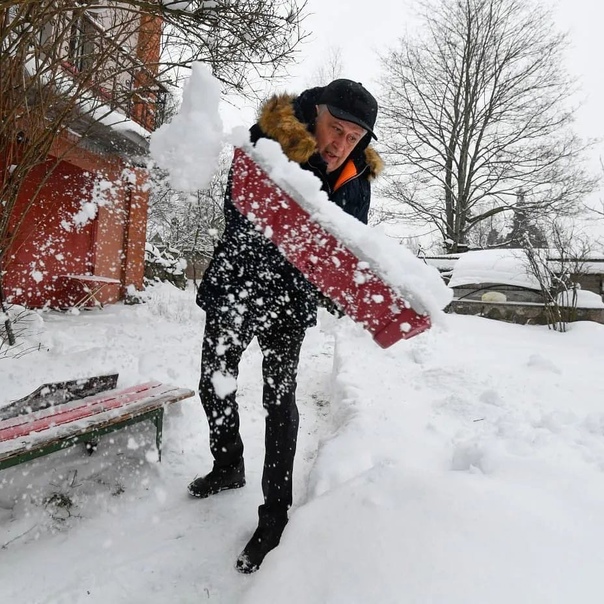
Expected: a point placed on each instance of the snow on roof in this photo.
(119, 122)
(580, 298)
(503, 266)
(583, 267)
(590, 264)
(89, 103)
(445, 262)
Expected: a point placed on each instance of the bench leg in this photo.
(159, 426)
(91, 445)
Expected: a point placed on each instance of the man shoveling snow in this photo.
(296, 211)
(250, 290)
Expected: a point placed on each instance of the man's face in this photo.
(335, 138)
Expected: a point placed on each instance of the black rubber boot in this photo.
(266, 538)
(219, 479)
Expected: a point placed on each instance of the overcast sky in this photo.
(362, 29)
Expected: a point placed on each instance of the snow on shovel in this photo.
(322, 258)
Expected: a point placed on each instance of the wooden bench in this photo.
(33, 431)
(87, 288)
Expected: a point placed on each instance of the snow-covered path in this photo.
(463, 466)
(129, 531)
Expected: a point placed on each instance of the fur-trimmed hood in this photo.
(277, 119)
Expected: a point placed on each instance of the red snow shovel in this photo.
(326, 262)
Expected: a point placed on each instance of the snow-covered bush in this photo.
(172, 304)
(579, 298)
(165, 265)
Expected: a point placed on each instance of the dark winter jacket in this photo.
(247, 273)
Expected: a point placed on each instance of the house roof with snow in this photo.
(502, 266)
(507, 266)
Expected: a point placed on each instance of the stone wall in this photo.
(519, 312)
(511, 292)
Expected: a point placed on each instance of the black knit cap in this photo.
(350, 101)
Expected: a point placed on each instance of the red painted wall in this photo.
(46, 243)
(61, 236)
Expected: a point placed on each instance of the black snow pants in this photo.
(227, 335)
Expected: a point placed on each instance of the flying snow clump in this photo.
(189, 146)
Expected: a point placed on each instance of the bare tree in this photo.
(476, 109)
(598, 211)
(331, 68)
(237, 39)
(558, 271)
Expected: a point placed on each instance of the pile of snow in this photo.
(189, 146)
(579, 298)
(447, 482)
(503, 266)
(422, 474)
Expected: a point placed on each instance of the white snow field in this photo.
(462, 466)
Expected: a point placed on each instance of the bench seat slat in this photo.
(119, 402)
(54, 411)
(41, 432)
(86, 425)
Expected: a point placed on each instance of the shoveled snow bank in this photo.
(447, 482)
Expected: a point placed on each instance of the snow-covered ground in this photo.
(465, 465)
